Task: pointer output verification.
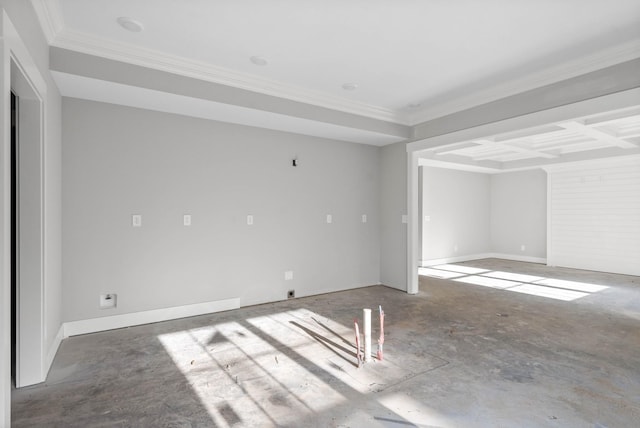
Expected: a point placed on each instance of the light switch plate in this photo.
(136, 220)
(364, 218)
(249, 220)
(329, 219)
(288, 275)
(404, 218)
(186, 220)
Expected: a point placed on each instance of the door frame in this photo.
(615, 101)
(18, 72)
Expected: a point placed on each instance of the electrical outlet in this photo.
(136, 220)
(291, 294)
(329, 219)
(364, 218)
(250, 220)
(288, 275)
(108, 301)
(186, 219)
(523, 247)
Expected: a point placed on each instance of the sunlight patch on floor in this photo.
(461, 269)
(527, 284)
(487, 282)
(551, 292)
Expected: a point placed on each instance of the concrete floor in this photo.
(456, 355)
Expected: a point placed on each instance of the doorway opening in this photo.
(14, 233)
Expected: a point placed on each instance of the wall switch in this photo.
(364, 218)
(136, 220)
(249, 220)
(455, 248)
(404, 218)
(522, 247)
(427, 218)
(108, 301)
(186, 219)
(288, 275)
(329, 218)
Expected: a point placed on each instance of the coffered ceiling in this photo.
(394, 61)
(602, 136)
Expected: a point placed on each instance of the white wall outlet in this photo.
(108, 301)
(364, 218)
(455, 248)
(186, 219)
(404, 218)
(523, 247)
(250, 220)
(136, 220)
(329, 219)
(288, 275)
(427, 218)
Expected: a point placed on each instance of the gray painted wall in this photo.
(519, 213)
(483, 213)
(393, 205)
(119, 161)
(458, 204)
(608, 80)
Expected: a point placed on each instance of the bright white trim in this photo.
(456, 259)
(92, 45)
(615, 55)
(74, 328)
(49, 14)
(51, 354)
(615, 101)
(519, 258)
(471, 257)
(591, 106)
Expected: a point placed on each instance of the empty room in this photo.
(320, 213)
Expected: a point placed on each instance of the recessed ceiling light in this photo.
(258, 60)
(350, 86)
(130, 24)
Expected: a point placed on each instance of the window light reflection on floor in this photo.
(437, 273)
(461, 269)
(528, 284)
(488, 282)
(551, 292)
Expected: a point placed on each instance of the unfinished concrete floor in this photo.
(456, 355)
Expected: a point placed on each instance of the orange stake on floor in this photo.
(381, 338)
(358, 355)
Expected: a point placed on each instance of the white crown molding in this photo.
(615, 55)
(49, 14)
(86, 43)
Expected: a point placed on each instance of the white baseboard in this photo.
(94, 325)
(51, 354)
(470, 257)
(456, 259)
(519, 258)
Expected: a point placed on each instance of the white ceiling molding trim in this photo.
(50, 16)
(567, 70)
(81, 87)
(92, 45)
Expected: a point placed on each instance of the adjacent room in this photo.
(333, 214)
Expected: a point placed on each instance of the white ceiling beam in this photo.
(512, 147)
(598, 134)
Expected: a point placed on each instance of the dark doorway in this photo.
(14, 232)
